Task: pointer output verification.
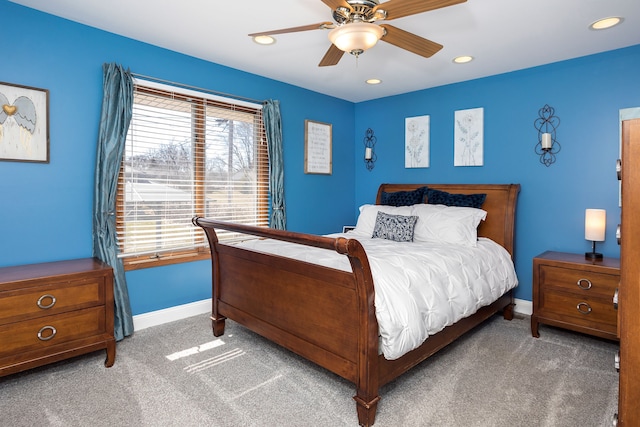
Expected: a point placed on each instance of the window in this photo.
(187, 153)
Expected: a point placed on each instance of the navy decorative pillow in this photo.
(398, 228)
(403, 198)
(438, 197)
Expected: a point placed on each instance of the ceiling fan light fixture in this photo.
(356, 37)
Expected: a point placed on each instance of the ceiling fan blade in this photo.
(334, 4)
(318, 26)
(332, 57)
(400, 8)
(409, 41)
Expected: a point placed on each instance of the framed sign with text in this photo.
(317, 147)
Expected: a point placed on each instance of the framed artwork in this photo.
(24, 123)
(317, 148)
(416, 142)
(468, 137)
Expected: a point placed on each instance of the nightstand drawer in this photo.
(49, 299)
(584, 311)
(579, 281)
(36, 334)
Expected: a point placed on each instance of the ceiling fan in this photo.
(355, 29)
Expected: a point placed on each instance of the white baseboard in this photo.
(171, 314)
(523, 307)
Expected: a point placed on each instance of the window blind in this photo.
(188, 153)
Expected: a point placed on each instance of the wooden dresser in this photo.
(574, 293)
(53, 311)
(629, 298)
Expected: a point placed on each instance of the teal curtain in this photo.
(273, 128)
(114, 122)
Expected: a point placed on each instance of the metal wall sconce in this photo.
(547, 146)
(369, 151)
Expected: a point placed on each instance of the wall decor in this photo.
(370, 156)
(317, 147)
(469, 137)
(24, 123)
(547, 146)
(416, 142)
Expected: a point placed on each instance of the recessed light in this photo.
(603, 24)
(264, 40)
(462, 59)
(373, 81)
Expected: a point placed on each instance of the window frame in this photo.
(200, 249)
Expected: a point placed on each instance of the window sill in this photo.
(138, 263)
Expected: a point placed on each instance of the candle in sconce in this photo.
(546, 141)
(368, 153)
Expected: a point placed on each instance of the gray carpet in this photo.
(498, 375)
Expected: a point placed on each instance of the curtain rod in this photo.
(209, 91)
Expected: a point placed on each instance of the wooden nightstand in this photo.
(53, 311)
(574, 293)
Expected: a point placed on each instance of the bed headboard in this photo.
(500, 205)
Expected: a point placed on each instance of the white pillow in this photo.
(368, 213)
(447, 224)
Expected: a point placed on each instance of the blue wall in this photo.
(587, 94)
(46, 209)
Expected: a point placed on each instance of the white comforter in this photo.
(420, 288)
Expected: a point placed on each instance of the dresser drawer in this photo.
(39, 333)
(50, 298)
(579, 281)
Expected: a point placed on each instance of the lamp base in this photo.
(592, 255)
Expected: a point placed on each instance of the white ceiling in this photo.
(502, 35)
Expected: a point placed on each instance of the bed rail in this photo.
(339, 244)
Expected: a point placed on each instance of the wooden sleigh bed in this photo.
(327, 315)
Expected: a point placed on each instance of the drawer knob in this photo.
(44, 297)
(616, 361)
(619, 169)
(584, 284)
(618, 234)
(48, 337)
(583, 307)
(615, 298)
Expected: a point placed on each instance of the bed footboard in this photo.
(323, 314)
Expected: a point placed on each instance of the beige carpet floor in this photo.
(178, 374)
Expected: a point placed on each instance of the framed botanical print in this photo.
(469, 137)
(416, 142)
(24, 123)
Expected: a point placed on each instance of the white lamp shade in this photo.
(358, 36)
(595, 223)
